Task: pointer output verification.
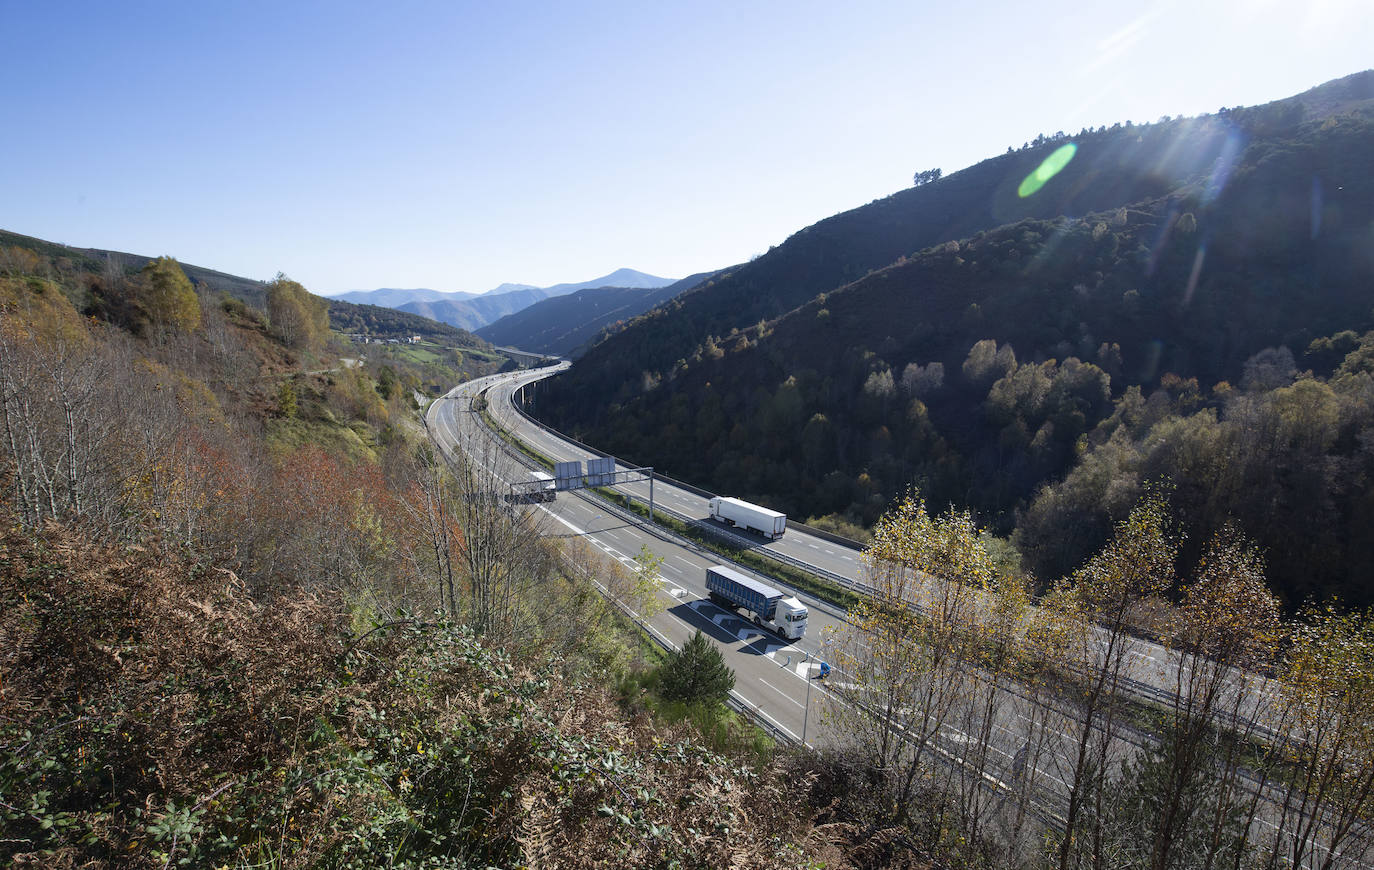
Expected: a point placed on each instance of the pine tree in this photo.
(697, 672)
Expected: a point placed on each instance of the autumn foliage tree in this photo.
(297, 317)
(167, 297)
(908, 653)
(1097, 604)
(1188, 798)
(1327, 681)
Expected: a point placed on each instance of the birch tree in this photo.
(907, 656)
(1328, 678)
(1096, 605)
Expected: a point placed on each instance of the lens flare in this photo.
(1316, 206)
(1052, 166)
(1225, 162)
(1195, 274)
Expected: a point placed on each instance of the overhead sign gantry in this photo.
(568, 476)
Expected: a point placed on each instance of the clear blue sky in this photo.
(457, 145)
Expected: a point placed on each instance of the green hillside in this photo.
(380, 322)
(980, 368)
(97, 266)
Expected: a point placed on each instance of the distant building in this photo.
(364, 338)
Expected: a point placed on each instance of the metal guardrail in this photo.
(737, 701)
(721, 532)
(682, 484)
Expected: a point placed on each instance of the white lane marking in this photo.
(781, 692)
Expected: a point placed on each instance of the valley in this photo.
(960, 508)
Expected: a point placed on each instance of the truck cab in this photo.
(790, 618)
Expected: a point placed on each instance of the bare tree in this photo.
(1095, 606)
(906, 658)
(81, 425)
(1328, 679)
(498, 552)
(1228, 629)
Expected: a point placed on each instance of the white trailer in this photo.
(543, 486)
(750, 517)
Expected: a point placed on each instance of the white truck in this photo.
(750, 517)
(542, 486)
(765, 606)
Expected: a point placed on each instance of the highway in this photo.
(1023, 746)
(820, 555)
(1155, 666)
(772, 676)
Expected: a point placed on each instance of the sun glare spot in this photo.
(1225, 162)
(1051, 167)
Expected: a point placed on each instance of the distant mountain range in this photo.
(566, 325)
(472, 310)
(393, 296)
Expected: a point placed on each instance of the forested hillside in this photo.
(95, 261)
(1031, 372)
(1112, 168)
(381, 322)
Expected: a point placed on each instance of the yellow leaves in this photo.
(1137, 563)
(298, 317)
(947, 547)
(168, 297)
(37, 311)
(1228, 611)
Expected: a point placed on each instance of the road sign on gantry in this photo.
(568, 475)
(601, 472)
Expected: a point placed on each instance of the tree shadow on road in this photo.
(727, 628)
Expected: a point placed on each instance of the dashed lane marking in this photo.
(781, 692)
